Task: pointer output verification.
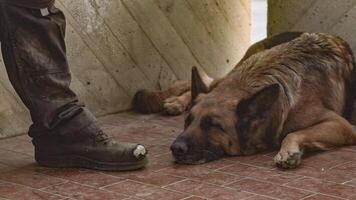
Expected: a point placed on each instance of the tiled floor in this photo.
(327, 176)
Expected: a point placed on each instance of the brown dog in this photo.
(294, 91)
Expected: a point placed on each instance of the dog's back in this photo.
(306, 42)
(315, 71)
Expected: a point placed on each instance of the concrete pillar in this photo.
(331, 16)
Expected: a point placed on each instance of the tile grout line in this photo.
(112, 184)
(151, 185)
(31, 188)
(43, 189)
(323, 194)
(311, 195)
(165, 187)
(338, 165)
(83, 185)
(195, 180)
(345, 183)
(315, 192)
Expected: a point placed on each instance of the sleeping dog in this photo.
(293, 91)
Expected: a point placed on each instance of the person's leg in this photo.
(34, 53)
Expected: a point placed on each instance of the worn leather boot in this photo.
(90, 148)
(64, 132)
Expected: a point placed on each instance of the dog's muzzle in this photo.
(185, 155)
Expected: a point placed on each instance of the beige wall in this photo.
(332, 16)
(116, 47)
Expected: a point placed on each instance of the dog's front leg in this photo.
(331, 131)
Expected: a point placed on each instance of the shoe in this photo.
(91, 148)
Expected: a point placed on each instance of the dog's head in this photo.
(227, 122)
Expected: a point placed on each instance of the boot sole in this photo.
(83, 162)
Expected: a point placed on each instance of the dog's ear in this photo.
(259, 104)
(198, 85)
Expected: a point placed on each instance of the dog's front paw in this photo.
(174, 106)
(288, 159)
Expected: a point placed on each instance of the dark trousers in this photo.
(34, 53)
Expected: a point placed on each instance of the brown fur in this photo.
(147, 102)
(289, 91)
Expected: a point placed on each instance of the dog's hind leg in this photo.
(176, 105)
(146, 101)
(331, 131)
(172, 101)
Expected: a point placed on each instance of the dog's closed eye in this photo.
(209, 122)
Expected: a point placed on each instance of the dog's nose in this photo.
(179, 148)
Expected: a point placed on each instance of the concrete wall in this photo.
(116, 47)
(332, 16)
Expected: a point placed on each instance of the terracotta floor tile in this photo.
(33, 195)
(145, 191)
(124, 174)
(85, 177)
(200, 173)
(258, 160)
(81, 192)
(328, 159)
(194, 198)
(161, 162)
(9, 188)
(241, 169)
(321, 197)
(265, 174)
(274, 176)
(159, 149)
(18, 192)
(115, 120)
(149, 177)
(208, 190)
(217, 178)
(352, 183)
(337, 175)
(317, 185)
(133, 198)
(186, 170)
(268, 189)
(259, 197)
(217, 164)
(30, 178)
(349, 168)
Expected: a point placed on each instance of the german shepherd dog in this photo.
(293, 91)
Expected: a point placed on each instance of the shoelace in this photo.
(101, 137)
